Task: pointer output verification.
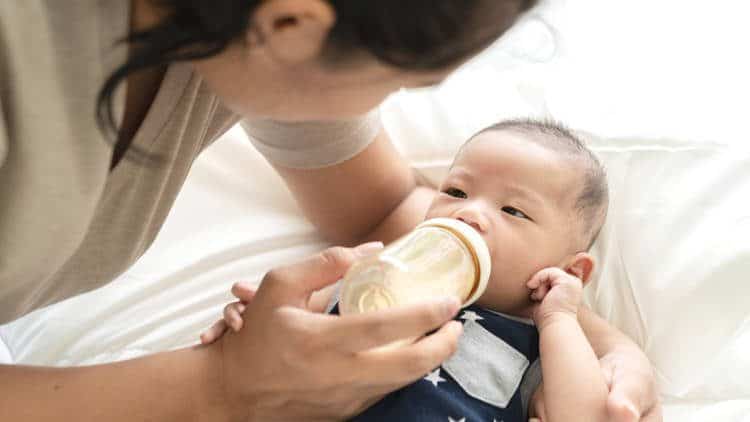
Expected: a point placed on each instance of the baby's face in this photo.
(519, 196)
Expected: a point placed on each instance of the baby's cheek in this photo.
(504, 295)
(493, 296)
(435, 211)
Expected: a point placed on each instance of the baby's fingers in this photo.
(541, 289)
(214, 332)
(233, 315)
(541, 292)
(542, 282)
(232, 319)
(244, 291)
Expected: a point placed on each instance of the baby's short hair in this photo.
(593, 199)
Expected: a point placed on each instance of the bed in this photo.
(668, 121)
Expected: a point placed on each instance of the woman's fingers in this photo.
(537, 405)
(632, 392)
(293, 284)
(364, 331)
(620, 411)
(622, 399)
(401, 365)
(328, 366)
(362, 346)
(653, 415)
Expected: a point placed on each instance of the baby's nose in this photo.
(472, 223)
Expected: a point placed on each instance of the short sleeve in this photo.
(314, 144)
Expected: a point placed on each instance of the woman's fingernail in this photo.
(368, 248)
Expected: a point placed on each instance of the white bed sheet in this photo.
(5, 356)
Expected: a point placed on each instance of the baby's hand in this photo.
(560, 293)
(232, 313)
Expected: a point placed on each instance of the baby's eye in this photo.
(457, 193)
(515, 212)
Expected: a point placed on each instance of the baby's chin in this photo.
(496, 298)
(524, 310)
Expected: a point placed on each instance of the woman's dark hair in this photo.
(409, 34)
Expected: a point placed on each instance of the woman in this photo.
(76, 211)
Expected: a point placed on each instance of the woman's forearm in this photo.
(627, 366)
(603, 337)
(407, 215)
(348, 200)
(182, 385)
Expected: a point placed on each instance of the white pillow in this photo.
(673, 262)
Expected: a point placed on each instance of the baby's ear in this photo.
(581, 266)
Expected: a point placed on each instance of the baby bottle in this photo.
(442, 257)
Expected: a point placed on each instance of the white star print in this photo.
(434, 377)
(471, 316)
(454, 420)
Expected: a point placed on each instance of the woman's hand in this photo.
(632, 392)
(633, 395)
(288, 363)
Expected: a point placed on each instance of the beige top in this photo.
(68, 224)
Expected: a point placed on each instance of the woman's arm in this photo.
(288, 353)
(182, 385)
(633, 394)
(350, 200)
(602, 336)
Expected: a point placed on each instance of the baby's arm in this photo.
(574, 387)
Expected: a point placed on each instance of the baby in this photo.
(538, 197)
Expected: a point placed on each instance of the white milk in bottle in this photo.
(442, 257)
